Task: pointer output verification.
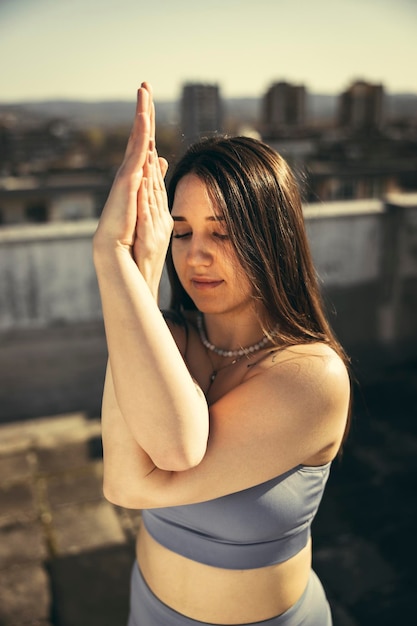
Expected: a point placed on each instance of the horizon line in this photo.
(91, 100)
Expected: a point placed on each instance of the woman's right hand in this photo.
(118, 220)
(154, 222)
(136, 215)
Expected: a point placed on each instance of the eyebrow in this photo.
(210, 218)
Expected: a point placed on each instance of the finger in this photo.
(151, 113)
(151, 108)
(143, 221)
(160, 170)
(159, 184)
(159, 190)
(148, 87)
(152, 184)
(152, 167)
(144, 98)
(138, 143)
(163, 166)
(152, 120)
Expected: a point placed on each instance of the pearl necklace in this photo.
(228, 353)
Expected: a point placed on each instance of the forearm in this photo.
(158, 399)
(125, 463)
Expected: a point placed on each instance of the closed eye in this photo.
(180, 235)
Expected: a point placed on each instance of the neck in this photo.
(247, 343)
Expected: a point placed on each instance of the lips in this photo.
(205, 283)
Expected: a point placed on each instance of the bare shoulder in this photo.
(312, 382)
(316, 367)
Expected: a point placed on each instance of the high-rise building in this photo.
(361, 106)
(201, 111)
(284, 107)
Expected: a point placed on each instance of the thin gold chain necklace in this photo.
(214, 372)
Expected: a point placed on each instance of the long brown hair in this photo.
(257, 194)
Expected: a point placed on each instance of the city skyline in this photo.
(85, 49)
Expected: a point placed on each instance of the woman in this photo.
(220, 421)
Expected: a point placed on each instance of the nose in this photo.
(199, 252)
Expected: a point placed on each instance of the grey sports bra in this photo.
(256, 527)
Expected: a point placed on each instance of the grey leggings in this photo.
(312, 609)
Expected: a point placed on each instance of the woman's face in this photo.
(202, 252)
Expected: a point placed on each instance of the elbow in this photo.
(149, 490)
(119, 496)
(113, 494)
(120, 490)
(180, 454)
(178, 459)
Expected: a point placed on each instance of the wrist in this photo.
(112, 261)
(103, 245)
(152, 277)
(108, 255)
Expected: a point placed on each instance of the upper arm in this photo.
(292, 412)
(179, 330)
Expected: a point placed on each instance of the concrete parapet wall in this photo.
(346, 240)
(365, 253)
(47, 275)
(366, 256)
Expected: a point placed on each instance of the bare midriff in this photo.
(218, 595)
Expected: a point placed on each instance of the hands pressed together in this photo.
(136, 216)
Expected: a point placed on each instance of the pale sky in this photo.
(103, 49)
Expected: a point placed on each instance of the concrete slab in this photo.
(388, 605)
(92, 588)
(16, 467)
(79, 486)
(54, 459)
(47, 432)
(17, 504)
(25, 596)
(60, 368)
(22, 543)
(352, 568)
(86, 527)
(341, 617)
